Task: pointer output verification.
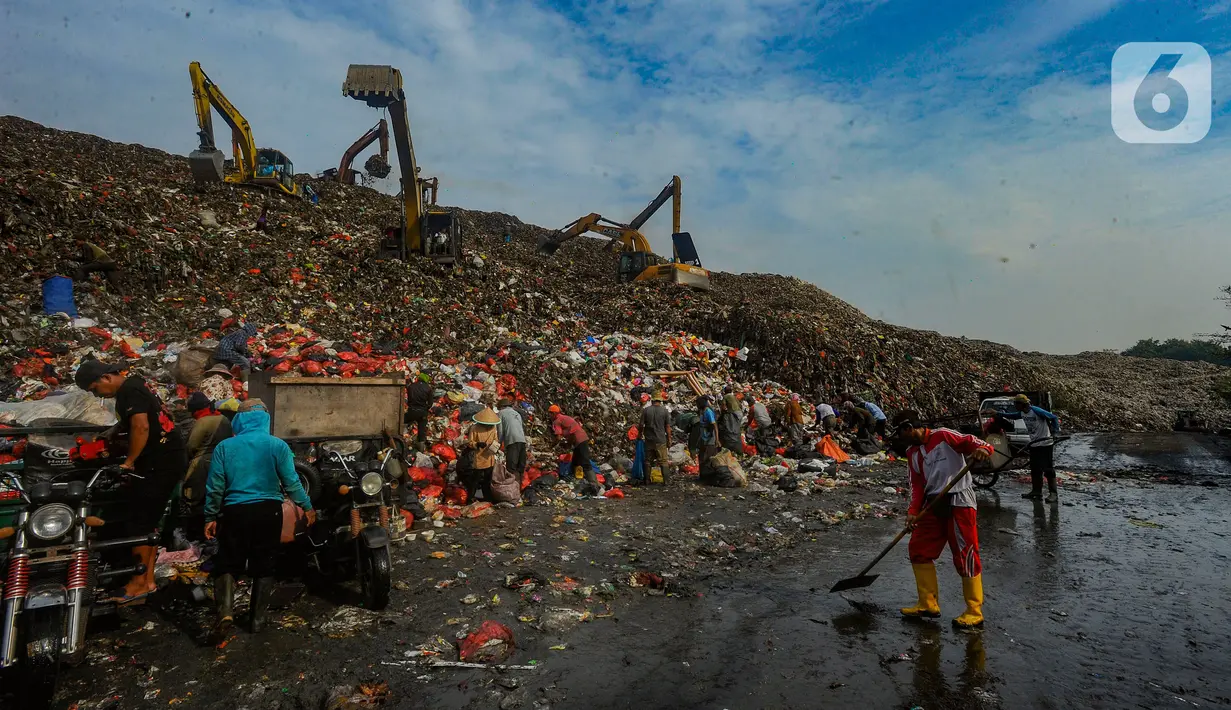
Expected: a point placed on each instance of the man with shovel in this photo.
(934, 458)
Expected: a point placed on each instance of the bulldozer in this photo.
(424, 229)
(638, 262)
(262, 167)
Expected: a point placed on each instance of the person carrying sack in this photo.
(485, 441)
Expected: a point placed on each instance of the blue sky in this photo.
(942, 165)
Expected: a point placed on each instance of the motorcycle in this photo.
(55, 571)
(356, 509)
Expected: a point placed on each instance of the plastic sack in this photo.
(492, 642)
(294, 521)
(444, 452)
(421, 474)
(58, 296)
(723, 470)
(190, 366)
(827, 447)
(79, 405)
(532, 474)
(637, 473)
(474, 510)
(505, 486)
(455, 495)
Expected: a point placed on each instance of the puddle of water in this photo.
(1151, 452)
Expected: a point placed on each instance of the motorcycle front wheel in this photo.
(44, 629)
(375, 570)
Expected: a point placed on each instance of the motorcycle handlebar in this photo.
(109, 471)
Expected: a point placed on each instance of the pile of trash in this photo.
(191, 259)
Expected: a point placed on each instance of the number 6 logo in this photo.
(1160, 92)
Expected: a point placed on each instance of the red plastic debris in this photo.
(492, 642)
(455, 495)
(444, 452)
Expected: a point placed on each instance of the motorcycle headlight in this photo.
(51, 521)
(371, 483)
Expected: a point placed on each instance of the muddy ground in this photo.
(1113, 598)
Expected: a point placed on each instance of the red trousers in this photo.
(953, 525)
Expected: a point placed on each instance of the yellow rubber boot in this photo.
(929, 591)
(972, 589)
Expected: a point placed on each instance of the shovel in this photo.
(863, 579)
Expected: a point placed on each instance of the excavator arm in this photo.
(670, 192)
(379, 131)
(206, 161)
(434, 233)
(683, 251)
(627, 239)
(380, 86)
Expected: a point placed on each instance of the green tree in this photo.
(1196, 350)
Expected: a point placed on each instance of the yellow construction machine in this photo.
(265, 167)
(425, 229)
(377, 165)
(637, 261)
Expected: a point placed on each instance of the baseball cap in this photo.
(554, 409)
(92, 371)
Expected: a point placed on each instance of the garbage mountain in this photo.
(189, 252)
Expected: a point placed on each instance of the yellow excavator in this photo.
(265, 167)
(425, 229)
(377, 165)
(637, 261)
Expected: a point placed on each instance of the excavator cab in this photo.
(632, 264)
(441, 241)
(442, 237)
(274, 169)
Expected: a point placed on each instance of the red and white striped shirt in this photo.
(936, 461)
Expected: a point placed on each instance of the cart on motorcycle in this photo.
(339, 431)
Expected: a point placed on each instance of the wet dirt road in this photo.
(1115, 598)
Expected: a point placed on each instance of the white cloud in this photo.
(1216, 9)
(899, 199)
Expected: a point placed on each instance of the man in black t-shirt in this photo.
(156, 456)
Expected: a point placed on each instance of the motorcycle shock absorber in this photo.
(16, 584)
(384, 517)
(356, 523)
(78, 590)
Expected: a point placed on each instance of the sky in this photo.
(941, 165)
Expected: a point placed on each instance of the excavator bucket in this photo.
(206, 165)
(376, 84)
(547, 245)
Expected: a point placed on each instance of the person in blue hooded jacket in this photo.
(248, 476)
